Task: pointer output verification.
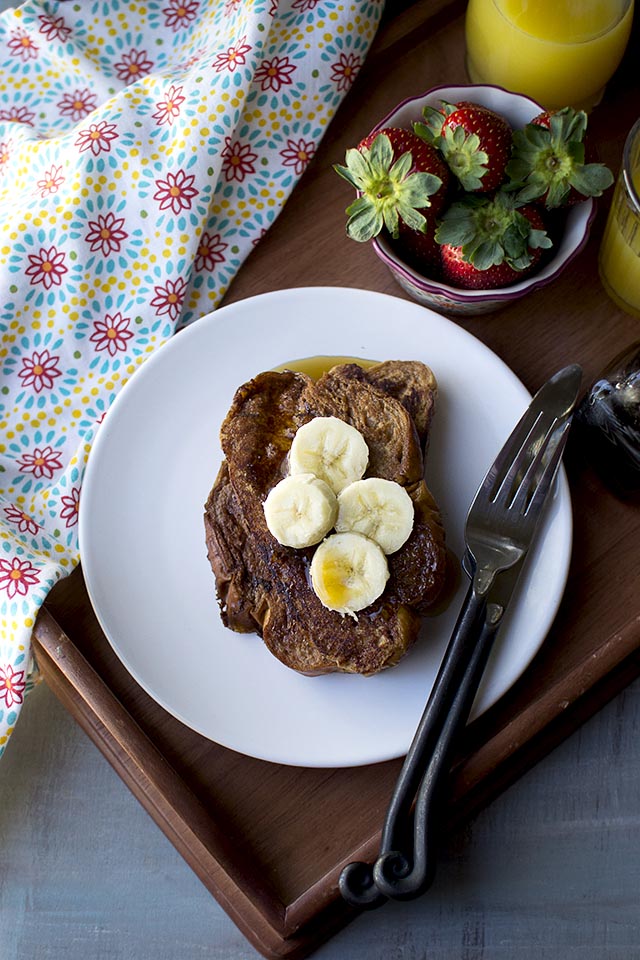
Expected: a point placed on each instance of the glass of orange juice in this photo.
(558, 52)
(619, 259)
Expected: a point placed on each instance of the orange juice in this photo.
(619, 259)
(558, 52)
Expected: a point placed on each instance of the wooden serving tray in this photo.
(269, 841)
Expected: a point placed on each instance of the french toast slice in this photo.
(264, 587)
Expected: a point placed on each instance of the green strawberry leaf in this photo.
(425, 133)
(539, 240)
(381, 152)
(401, 168)
(413, 219)
(390, 217)
(464, 157)
(521, 263)
(418, 187)
(487, 254)
(365, 220)
(388, 190)
(347, 175)
(432, 128)
(491, 231)
(592, 180)
(568, 124)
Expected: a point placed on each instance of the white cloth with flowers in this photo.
(145, 147)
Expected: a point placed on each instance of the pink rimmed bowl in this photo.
(518, 110)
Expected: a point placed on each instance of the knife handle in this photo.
(406, 865)
(356, 883)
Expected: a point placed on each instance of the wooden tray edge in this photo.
(294, 931)
(152, 780)
(495, 765)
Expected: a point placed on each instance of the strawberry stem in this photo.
(388, 191)
(549, 161)
(491, 231)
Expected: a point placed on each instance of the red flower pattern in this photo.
(70, 508)
(176, 192)
(5, 153)
(106, 234)
(97, 137)
(345, 69)
(191, 61)
(53, 28)
(12, 684)
(21, 45)
(297, 154)
(238, 160)
(180, 13)
(304, 5)
(169, 299)
(77, 105)
(39, 371)
(111, 334)
(51, 182)
(22, 520)
(47, 267)
(43, 462)
(274, 74)
(234, 56)
(133, 65)
(16, 576)
(231, 6)
(210, 251)
(256, 240)
(17, 115)
(169, 107)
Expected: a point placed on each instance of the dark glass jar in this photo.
(608, 421)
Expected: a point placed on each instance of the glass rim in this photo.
(633, 137)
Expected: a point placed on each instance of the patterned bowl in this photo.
(442, 297)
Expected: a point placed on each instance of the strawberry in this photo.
(488, 242)
(548, 161)
(474, 141)
(402, 185)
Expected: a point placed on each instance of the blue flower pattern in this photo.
(139, 164)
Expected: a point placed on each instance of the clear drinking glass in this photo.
(558, 52)
(619, 259)
(608, 421)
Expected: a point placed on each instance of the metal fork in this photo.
(500, 528)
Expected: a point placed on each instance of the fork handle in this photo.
(357, 884)
(406, 865)
(395, 863)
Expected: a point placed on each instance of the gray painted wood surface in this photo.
(550, 870)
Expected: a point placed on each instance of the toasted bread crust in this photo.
(264, 587)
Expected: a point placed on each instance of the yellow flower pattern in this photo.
(145, 147)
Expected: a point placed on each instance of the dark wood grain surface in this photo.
(269, 841)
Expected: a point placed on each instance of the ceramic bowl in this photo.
(442, 297)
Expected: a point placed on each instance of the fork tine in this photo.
(498, 472)
(529, 421)
(519, 484)
(525, 457)
(551, 467)
(540, 470)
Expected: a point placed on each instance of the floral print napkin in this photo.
(145, 147)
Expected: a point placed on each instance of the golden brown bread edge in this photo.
(264, 587)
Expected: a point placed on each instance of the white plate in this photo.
(142, 536)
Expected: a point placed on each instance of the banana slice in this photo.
(379, 509)
(331, 449)
(348, 572)
(300, 510)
